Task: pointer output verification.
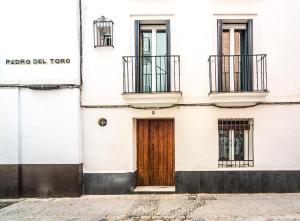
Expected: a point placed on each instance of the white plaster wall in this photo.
(279, 40)
(40, 127)
(193, 37)
(108, 148)
(34, 29)
(50, 127)
(9, 126)
(112, 148)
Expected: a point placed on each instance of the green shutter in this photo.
(219, 52)
(138, 76)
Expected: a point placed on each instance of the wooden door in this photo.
(155, 152)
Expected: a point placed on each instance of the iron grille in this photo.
(235, 143)
(238, 73)
(147, 74)
(103, 32)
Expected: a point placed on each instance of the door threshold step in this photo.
(154, 189)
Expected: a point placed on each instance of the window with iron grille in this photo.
(103, 32)
(235, 143)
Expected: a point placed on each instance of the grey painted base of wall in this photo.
(9, 181)
(65, 180)
(201, 182)
(40, 180)
(51, 180)
(109, 183)
(237, 181)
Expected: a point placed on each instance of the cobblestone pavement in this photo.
(198, 207)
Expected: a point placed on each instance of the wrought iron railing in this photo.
(238, 73)
(147, 74)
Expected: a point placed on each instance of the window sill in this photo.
(237, 99)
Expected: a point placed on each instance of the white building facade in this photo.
(40, 110)
(199, 96)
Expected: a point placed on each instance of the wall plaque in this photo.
(37, 61)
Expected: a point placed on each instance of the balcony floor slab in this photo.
(237, 99)
(161, 99)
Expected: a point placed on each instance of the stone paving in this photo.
(198, 207)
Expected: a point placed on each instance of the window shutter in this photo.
(168, 33)
(243, 53)
(249, 37)
(219, 52)
(138, 87)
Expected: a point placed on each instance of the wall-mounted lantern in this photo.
(103, 32)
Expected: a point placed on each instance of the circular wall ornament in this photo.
(102, 122)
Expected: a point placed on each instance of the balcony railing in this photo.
(151, 74)
(238, 73)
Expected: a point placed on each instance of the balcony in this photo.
(238, 80)
(151, 80)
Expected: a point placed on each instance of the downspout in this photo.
(19, 173)
(80, 160)
(80, 42)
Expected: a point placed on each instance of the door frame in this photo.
(136, 144)
(137, 29)
(231, 29)
(248, 71)
(154, 30)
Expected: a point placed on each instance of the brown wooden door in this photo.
(155, 152)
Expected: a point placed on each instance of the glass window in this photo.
(235, 142)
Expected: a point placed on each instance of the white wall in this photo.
(45, 125)
(112, 148)
(34, 29)
(40, 127)
(279, 41)
(9, 126)
(50, 127)
(108, 148)
(193, 37)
